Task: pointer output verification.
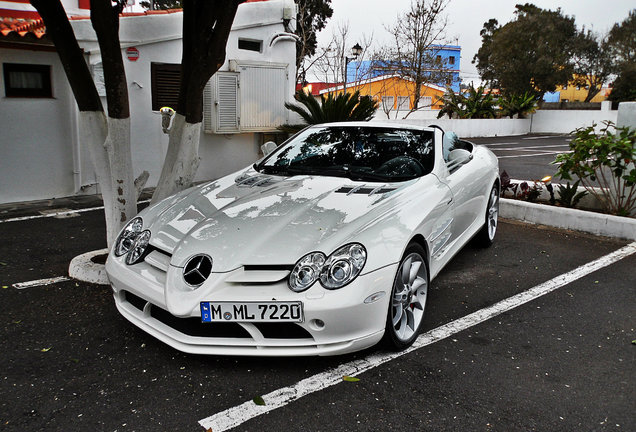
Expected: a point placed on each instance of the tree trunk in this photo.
(206, 27)
(105, 21)
(182, 158)
(93, 126)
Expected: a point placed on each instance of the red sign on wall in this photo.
(132, 53)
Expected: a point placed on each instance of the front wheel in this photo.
(408, 299)
(486, 236)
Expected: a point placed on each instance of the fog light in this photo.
(317, 324)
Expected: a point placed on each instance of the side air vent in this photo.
(364, 190)
(251, 181)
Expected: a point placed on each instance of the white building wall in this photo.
(159, 40)
(37, 137)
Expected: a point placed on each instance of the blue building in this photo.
(443, 58)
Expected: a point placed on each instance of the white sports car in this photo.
(325, 246)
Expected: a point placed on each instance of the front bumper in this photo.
(174, 317)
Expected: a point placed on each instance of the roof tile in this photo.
(22, 26)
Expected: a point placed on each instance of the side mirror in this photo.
(268, 147)
(457, 158)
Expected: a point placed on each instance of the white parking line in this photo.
(239, 414)
(60, 213)
(40, 282)
(541, 137)
(503, 143)
(528, 148)
(534, 154)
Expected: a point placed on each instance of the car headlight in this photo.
(343, 266)
(127, 236)
(138, 248)
(306, 271)
(335, 271)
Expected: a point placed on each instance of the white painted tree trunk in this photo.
(124, 200)
(182, 158)
(109, 147)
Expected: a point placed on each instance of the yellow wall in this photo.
(573, 93)
(395, 87)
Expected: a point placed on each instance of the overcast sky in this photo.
(466, 19)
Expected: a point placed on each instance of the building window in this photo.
(27, 80)
(165, 82)
(387, 103)
(403, 103)
(425, 102)
(451, 60)
(438, 59)
(250, 44)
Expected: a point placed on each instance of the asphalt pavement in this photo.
(527, 157)
(564, 361)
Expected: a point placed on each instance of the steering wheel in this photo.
(401, 166)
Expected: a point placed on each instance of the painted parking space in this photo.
(70, 361)
(527, 157)
(235, 416)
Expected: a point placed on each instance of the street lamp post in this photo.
(356, 50)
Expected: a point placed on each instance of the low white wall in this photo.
(565, 121)
(471, 128)
(542, 121)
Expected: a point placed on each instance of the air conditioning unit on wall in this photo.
(249, 98)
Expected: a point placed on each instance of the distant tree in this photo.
(413, 53)
(519, 105)
(161, 4)
(474, 103)
(207, 24)
(624, 87)
(485, 66)
(341, 107)
(621, 42)
(592, 62)
(453, 105)
(311, 18)
(329, 61)
(529, 54)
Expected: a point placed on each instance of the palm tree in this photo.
(520, 104)
(342, 107)
(475, 103)
(479, 105)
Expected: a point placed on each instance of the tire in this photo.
(486, 235)
(408, 299)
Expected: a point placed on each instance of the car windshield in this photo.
(358, 153)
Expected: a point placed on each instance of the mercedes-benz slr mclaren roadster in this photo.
(325, 246)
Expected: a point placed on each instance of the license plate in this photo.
(252, 312)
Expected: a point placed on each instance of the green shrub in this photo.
(606, 159)
(569, 195)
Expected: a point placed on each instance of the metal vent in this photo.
(257, 180)
(364, 190)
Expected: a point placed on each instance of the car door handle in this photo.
(449, 201)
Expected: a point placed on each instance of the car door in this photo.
(466, 186)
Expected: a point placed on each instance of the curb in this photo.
(566, 218)
(85, 270)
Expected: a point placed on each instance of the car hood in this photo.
(255, 219)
